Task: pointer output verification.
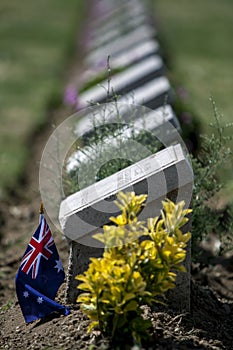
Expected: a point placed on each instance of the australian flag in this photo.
(40, 276)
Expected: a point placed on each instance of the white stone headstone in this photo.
(147, 92)
(122, 80)
(122, 43)
(155, 123)
(135, 53)
(112, 11)
(167, 173)
(111, 30)
(147, 119)
(81, 214)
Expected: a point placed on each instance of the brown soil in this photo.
(208, 326)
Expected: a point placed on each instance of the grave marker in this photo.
(152, 94)
(161, 127)
(149, 120)
(122, 43)
(134, 54)
(115, 11)
(165, 174)
(110, 31)
(136, 75)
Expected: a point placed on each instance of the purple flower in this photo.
(70, 96)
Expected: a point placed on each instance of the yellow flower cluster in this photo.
(133, 271)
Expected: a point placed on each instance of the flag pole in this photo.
(41, 210)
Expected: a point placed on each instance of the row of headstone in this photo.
(141, 98)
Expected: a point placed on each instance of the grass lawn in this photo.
(36, 39)
(198, 36)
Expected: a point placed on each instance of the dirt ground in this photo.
(209, 325)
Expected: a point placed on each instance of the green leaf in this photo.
(131, 306)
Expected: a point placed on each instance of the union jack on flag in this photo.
(40, 275)
(39, 249)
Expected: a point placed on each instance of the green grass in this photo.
(198, 35)
(36, 41)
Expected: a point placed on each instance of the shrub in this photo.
(133, 271)
(101, 143)
(213, 153)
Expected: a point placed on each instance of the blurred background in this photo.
(197, 37)
(38, 43)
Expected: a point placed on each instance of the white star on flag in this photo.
(58, 265)
(40, 300)
(26, 294)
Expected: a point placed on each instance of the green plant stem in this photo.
(123, 293)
